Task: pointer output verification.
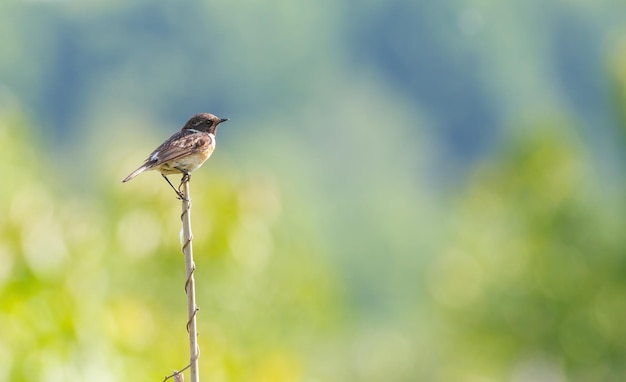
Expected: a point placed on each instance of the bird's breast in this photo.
(189, 162)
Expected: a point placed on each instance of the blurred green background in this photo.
(406, 191)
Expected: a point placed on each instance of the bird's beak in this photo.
(223, 120)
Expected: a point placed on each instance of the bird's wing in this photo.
(181, 144)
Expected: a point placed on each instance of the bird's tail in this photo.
(135, 173)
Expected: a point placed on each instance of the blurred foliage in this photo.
(534, 268)
(406, 190)
(95, 283)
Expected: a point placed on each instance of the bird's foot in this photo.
(179, 193)
(185, 179)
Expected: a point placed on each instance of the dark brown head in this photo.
(204, 122)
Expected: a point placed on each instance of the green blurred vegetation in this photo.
(534, 267)
(406, 191)
(92, 286)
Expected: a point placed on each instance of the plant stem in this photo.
(190, 290)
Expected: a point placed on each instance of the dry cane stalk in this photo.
(190, 289)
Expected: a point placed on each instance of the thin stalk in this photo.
(190, 289)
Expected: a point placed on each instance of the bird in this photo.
(183, 152)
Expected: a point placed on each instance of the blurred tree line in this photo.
(406, 190)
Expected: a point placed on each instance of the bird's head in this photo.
(204, 122)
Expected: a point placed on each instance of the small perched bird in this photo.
(185, 151)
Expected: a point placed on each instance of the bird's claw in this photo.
(181, 196)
